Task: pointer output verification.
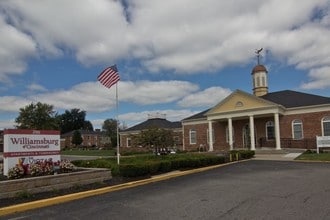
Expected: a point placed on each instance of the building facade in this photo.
(283, 119)
(152, 122)
(91, 139)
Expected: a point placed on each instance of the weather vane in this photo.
(258, 54)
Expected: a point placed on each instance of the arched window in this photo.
(192, 136)
(270, 130)
(326, 126)
(297, 129)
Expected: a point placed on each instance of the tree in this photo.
(154, 137)
(74, 120)
(110, 127)
(76, 138)
(38, 116)
(88, 126)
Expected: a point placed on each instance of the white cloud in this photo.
(320, 79)
(205, 36)
(36, 87)
(7, 124)
(13, 103)
(133, 118)
(208, 97)
(149, 92)
(93, 97)
(15, 47)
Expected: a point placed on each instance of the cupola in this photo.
(259, 78)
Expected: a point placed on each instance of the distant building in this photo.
(154, 121)
(1, 140)
(91, 139)
(282, 119)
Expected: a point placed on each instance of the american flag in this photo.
(109, 76)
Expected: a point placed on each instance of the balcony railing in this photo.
(305, 143)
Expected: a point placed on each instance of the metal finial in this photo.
(258, 54)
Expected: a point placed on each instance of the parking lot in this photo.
(254, 189)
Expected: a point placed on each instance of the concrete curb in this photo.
(70, 197)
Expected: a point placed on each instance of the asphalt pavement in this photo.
(251, 189)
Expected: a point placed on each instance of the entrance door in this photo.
(246, 137)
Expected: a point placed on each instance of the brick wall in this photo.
(311, 128)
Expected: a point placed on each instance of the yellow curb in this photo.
(70, 197)
(312, 161)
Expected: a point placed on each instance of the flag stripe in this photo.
(109, 76)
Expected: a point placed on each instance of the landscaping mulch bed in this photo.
(44, 195)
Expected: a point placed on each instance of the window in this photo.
(129, 142)
(192, 136)
(326, 126)
(270, 131)
(227, 134)
(297, 131)
(208, 137)
(239, 104)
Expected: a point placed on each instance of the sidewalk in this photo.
(282, 155)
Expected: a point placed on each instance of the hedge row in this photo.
(151, 164)
(168, 163)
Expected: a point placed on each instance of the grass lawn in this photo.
(89, 152)
(314, 157)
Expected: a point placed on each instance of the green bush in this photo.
(133, 170)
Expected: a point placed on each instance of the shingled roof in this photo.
(199, 115)
(155, 122)
(286, 98)
(291, 99)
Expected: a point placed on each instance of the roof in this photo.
(83, 132)
(199, 115)
(154, 122)
(286, 98)
(292, 99)
(259, 68)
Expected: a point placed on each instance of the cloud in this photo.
(206, 98)
(13, 103)
(161, 36)
(15, 48)
(149, 92)
(132, 118)
(7, 124)
(93, 97)
(320, 79)
(36, 87)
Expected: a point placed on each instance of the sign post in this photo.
(29, 146)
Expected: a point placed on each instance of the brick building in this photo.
(156, 121)
(91, 139)
(283, 119)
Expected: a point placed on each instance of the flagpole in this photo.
(118, 153)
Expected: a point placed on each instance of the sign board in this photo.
(29, 146)
(322, 141)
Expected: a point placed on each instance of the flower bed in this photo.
(12, 188)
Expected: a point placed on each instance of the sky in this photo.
(174, 57)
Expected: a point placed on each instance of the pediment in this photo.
(240, 101)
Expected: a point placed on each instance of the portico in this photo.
(238, 107)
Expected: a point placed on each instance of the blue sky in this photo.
(174, 57)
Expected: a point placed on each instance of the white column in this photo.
(183, 142)
(230, 133)
(277, 131)
(253, 144)
(210, 136)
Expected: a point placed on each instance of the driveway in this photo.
(254, 189)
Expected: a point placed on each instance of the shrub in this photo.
(16, 172)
